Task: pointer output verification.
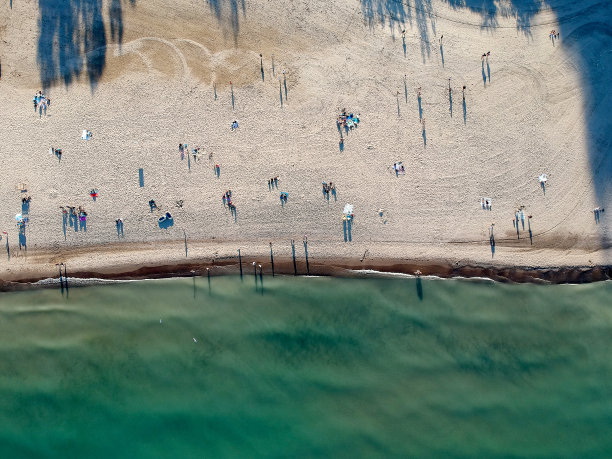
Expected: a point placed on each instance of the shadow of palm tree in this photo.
(72, 39)
(586, 37)
(230, 18)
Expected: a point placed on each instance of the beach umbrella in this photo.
(18, 217)
(542, 178)
(348, 209)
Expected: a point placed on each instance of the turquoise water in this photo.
(310, 367)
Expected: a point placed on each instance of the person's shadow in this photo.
(64, 222)
(420, 109)
(419, 288)
(484, 75)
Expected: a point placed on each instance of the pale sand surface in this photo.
(542, 111)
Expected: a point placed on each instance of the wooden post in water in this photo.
(8, 250)
(60, 278)
(65, 279)
(240, 261)
(293, 251)
(272, 259)
(306, 252)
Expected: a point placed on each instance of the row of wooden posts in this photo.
(272, 259)
(63, 274)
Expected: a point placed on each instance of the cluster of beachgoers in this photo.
(421, 182)
(345, 122)
(41, 103)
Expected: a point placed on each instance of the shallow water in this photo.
(308, 367)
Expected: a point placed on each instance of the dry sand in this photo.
(141, 75)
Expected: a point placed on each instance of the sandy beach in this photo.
(144, 77)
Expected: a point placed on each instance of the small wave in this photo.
(79, 281)
(376, 273)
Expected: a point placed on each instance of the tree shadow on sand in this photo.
(585, 35)
(586, 38)
(397, 14)
(72, 39)
(230, 18)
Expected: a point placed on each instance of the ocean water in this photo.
(308, 367)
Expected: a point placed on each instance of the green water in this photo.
(313, 367)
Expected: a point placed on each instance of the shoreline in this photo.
(333, 267)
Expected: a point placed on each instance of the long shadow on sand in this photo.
(72, 39)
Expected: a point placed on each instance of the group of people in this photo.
(119, 225)
(195, 152)
(553, 34)
(283, 197)
(331, 188)
(485, 56)
(347, 121)
(57, 152)
(182, 150)
(227, 200)
(234, 125)
(41, 102)
(485, 203)
(399, 168)
(596, 212)
(81, 214)
(273, 182)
